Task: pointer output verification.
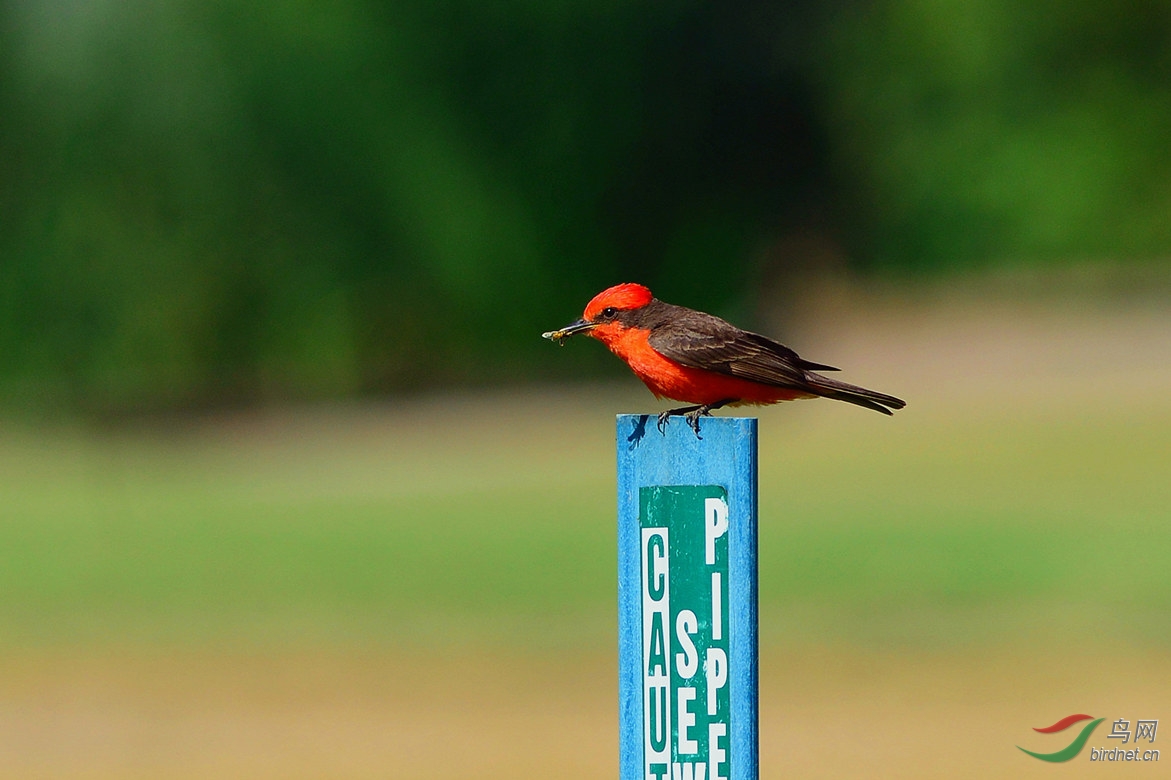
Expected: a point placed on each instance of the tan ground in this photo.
(488, 716)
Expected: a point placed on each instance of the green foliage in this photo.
(221, 202)
(1003, 132)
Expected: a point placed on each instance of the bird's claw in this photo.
(693, 420)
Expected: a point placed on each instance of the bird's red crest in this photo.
(620, 296)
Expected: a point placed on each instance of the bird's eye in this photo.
(609, 311)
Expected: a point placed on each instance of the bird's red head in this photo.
(599, 319)
(621, 297)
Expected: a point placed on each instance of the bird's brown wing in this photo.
(703, 341)
(699, 340)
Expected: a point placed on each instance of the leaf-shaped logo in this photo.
(1073, 748)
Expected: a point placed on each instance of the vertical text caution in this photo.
(686, 708)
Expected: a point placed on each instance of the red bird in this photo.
(700, 359)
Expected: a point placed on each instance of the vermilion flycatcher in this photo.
(700, 359)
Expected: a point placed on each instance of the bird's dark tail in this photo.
(860, 396)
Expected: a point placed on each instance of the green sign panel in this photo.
(686, 708)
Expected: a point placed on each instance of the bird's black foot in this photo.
(665, 417)
(691, 414)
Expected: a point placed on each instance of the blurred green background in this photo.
(220, 203)
(289, 487)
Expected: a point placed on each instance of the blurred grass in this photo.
(287, 533)
(490, 521)
(994, 528)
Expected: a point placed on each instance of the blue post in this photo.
(687, 621)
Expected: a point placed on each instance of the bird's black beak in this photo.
(581, 326)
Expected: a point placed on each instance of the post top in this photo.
(639, 428)
(724, 451)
